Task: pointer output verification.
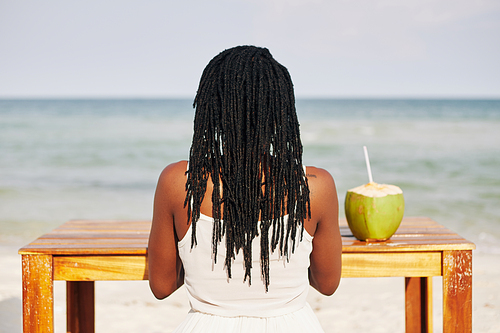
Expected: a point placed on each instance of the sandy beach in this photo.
(359, 305)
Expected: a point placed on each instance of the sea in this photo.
(66, 159)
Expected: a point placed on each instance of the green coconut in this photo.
(374, 211)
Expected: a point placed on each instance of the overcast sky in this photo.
(365, 48)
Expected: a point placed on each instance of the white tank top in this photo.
(210, 291)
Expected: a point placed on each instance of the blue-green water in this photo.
(67, 159)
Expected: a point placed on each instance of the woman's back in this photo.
(211, 291)
(245, 210)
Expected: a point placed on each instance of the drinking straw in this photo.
(368, 164)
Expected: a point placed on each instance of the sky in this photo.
(332, 48)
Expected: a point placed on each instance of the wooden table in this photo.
(81, 252)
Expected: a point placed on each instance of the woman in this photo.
(245, 207)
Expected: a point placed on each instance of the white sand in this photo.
(359, 305)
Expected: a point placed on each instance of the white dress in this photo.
(219, 304)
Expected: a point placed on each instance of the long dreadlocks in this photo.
(246, 138)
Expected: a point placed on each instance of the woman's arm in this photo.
(165, 267)
(326, 261)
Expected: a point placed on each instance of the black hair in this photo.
(246, 138)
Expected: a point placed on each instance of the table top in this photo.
(105, 237)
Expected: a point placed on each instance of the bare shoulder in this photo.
(319, 179)
(174, 170)
(323, 194)
(173, 175)
(172, 182)
(316, 172)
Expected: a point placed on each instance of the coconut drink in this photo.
(374, 211)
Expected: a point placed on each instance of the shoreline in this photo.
(359, 304)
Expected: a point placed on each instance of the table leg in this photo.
(457, 291)
(80, 317)
(38, 294)
(418, 304)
